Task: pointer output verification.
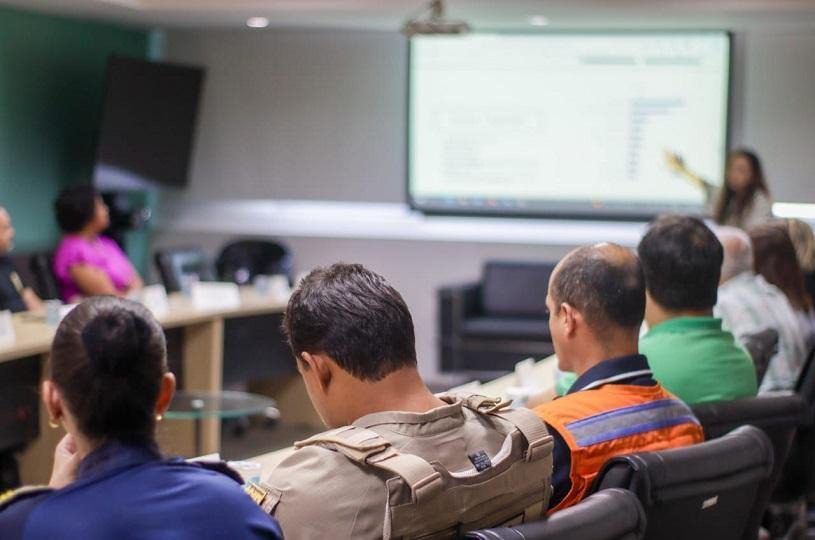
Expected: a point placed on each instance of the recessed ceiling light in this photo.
(257, 22)
(538, 20)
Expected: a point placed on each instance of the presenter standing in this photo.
(744, 199)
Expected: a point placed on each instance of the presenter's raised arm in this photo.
(676, 164)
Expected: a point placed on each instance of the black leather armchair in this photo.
(487, 327)
(611, 514)
(702, 491)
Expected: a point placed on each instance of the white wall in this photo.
(778, 109)
(298, 114)
(319, 114)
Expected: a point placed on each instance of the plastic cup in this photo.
(249, 470)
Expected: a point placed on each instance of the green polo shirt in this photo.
(694, 359)
(698, 361)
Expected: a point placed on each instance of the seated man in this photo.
(14, 295)
(596, 301)
(687, 349)
(747, 305)
(352, 336)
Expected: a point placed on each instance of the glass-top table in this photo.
(197, 405)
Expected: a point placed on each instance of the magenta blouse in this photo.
(102, 253)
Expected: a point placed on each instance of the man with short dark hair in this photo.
(687, 349)
(596, 301)
(379, 471)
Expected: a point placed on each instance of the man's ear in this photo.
(570, 318)
(320, 367)
(165, 395)
(52, 400)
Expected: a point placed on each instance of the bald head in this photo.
(738, 252)
(605, 283)
(6, 232)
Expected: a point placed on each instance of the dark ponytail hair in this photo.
(107, 360)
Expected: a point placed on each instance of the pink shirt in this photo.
(102, 253)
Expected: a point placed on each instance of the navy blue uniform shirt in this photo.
(125, 492)
(9, 295)
(623, 370)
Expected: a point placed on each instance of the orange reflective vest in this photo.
(613, 420)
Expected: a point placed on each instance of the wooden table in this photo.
(202, 360)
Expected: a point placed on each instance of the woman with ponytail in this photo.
(108, 386)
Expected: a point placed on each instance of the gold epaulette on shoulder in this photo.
(264, 496)
(13, 495)
(256, 492)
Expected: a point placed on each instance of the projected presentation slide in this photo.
(566, 123)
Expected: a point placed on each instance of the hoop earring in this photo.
(52, 422)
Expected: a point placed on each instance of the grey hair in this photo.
(738, 252)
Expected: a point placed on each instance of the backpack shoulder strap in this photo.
(540, 443)
(367, 447)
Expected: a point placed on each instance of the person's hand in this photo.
(66, 463)
(674, 161)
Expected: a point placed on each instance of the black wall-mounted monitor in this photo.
(148, 124)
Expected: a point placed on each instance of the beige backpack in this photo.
(427, 501)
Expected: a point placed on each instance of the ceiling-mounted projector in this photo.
(434, 23)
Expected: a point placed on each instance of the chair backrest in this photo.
(702, 491)
(173, 263)
(762, 346)
(241, 260)
(805, 387)
(779, 417)
(515, 289)
(36, 271)
(798, 476)
(774, 414)
(611, 514)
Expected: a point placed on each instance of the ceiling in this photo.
(389, 14)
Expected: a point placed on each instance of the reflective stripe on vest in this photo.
(613, 420)
(629, 421)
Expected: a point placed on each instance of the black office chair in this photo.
(173, 263)
(241, 260)
(809, 284)
(36, 272)
(487, 327)
(761, 346)
(805, 386)
(778, 416)
(798, 477)
(611, 514)
(702, 491)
